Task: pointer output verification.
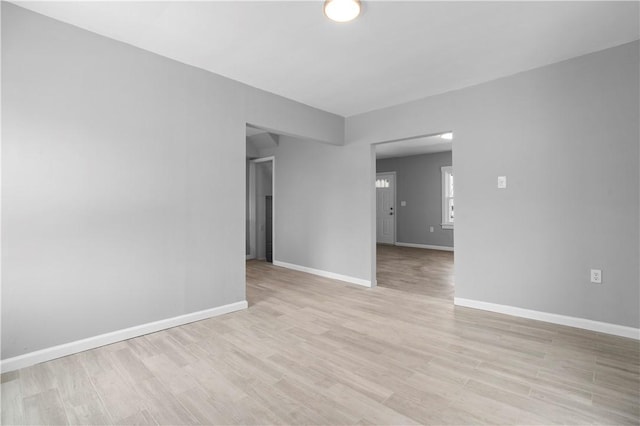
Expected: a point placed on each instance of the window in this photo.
(382, 183)
(447, 197)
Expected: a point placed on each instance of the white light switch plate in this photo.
(502, 182)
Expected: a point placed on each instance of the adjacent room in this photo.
(290, 212)
(260, 189)
(415, 215)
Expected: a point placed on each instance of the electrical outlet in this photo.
(431, 229)
(596, 276)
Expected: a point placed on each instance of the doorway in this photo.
(261, 203)
(414, 215)
(385, 208)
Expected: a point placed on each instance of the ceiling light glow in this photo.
(342, 10)
(448, 136)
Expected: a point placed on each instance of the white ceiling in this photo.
(393, 53)
(416, 146)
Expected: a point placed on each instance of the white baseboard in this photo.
(32, 358)
(326, 274)
(425, 246)
(587, 324)
(250, 256)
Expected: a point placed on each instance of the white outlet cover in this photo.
(596, 276)
(403, 203)
(502, 182)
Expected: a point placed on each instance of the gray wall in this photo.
(419, 183)
(567, 138)
(123, 182)
(316, 189)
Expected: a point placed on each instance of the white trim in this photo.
(326, 274)
(446, 225)
(425, 246)
(32, 358)
(587, 324)
(249, 257)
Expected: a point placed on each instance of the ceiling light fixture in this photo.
(448, 136)
(342, 10)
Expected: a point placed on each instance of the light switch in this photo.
(403, 203)
(502, 182)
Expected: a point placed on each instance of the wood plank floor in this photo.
(418, 271)
(311, 350)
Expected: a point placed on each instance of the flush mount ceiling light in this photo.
(342, 10)
(448, 136)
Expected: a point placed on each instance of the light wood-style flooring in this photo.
(311, 350)
(417, 271)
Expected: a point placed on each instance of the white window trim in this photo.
(444, 172)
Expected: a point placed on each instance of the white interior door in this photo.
(386, 208)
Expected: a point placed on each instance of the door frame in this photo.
(395, 206)
(253, 231)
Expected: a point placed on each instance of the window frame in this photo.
(446, 171)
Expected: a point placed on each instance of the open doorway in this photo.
(261, 209)
(260, 195)
(417, 255)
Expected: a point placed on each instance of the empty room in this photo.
(320, 212)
